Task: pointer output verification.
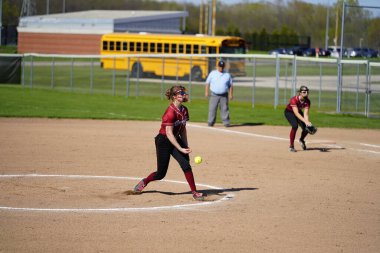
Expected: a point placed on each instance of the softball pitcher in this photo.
(172, 141)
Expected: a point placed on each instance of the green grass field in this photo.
(18, 101)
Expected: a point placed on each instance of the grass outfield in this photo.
(16, 101)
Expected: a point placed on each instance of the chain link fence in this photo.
(269, 80)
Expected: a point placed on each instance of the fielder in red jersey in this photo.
(297, 113)
(172, 141)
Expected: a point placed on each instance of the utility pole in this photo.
(213, 17)
(336, 26)
(210, 17)
(206, 19)
(201, 17)
(184, 18)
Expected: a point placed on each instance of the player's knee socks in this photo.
(150, 178)
(292, 136)
(190, 180)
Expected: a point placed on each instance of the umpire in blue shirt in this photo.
(219, 83)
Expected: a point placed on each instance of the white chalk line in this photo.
(370, 145)
(366, 150)
(119, 209)
(285, 139)
(239, 133)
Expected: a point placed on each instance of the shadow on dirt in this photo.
(247, 124)
(207, 191)
(323, 149)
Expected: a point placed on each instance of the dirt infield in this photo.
(63, 186)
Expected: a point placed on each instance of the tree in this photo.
(374, 34)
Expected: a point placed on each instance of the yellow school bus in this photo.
(178, 46)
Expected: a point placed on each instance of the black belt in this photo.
(224, 94)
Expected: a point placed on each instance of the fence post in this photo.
(162, 78)
(113, 75)
(92, 76)
(286, 81)
(294, 77)
(357, 88)
(277, 81)
(138, 78)
(368, 89)
(176, 76)
(339, 86)
(128, 76)
(320, 85)
(190, 84)
(52, 72)
(72, 74)
(253, 81)
(190, 76)
(23, 70)
(31, 72)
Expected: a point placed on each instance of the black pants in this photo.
(293, 120)
(164, 149)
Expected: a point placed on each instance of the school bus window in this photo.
(118, 45)
(131, 46)
(188, 49)
(166, 47)
(152, 47)
(212, 50)
(180, 48)
(112, 45)
(196, 49)
(159, 47)
(105, 45)
(203, 50)
(145, 47)
(125, 46)
(138, 46)
(174, 48)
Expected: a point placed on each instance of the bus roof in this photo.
(171, 37)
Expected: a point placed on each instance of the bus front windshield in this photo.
(233, 46)
(232, 50)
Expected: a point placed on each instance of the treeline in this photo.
(265, 25)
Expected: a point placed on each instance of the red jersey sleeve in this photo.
(169, 117)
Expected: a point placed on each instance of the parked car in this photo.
(335, 51)
(369, 53)
(309, 52)
(323, 52)
(277, 51)
(296, 50)
(354, 52)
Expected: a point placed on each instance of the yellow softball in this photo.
(197, 159)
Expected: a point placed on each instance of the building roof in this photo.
(100, 22)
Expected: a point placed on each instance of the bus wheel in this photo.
(137, 70)
(196, 74)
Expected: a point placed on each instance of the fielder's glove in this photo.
(311, 129)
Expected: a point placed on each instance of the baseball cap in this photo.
(221, 64)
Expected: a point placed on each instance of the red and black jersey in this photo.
(296, 102)
(175, 117)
